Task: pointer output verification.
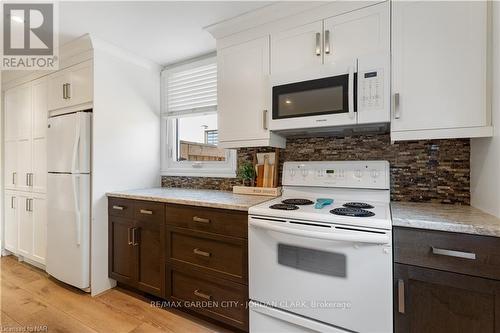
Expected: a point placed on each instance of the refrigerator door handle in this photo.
(76, 198)
(76, 144)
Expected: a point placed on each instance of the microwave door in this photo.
(322, 102)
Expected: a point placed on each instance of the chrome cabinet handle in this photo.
(128, 236)
(145, 211)
(26, 205)
(201, 253)
(327, 41)
(264, 119)
(31, 205)
(318, 44)
(397, 111)
(134, 242)
(200, 219)
(64, 91)
(14, 176)
(12, 202)
(27, 179)
(118, 207)
(198, 293)
(453, 253)
(401, 296)
(68, 90)
(30, 178)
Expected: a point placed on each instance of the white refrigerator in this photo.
(68, 198)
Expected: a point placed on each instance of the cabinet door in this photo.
(23, 110)
(427, 300)
(39, 213)
(121, 251)
(11, 176)
(355, 34)
(244, 91)
(80, 87)
(11, 115)
(439, 64)
(24, 158)
(297, 49)
(56, 94)
(39, 169)
(11, 208)
(149, 256)
(39, 98)
(25, 239)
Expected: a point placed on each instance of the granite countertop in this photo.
(194, 197)
(443, 217)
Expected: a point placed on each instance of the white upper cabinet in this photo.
(440, 70)
(10, 114)
(297, 48)
(352, 35)
(244, 95)
(39, 99)
(71, 86)
(23, 110)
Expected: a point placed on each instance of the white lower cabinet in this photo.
(26, 225)
(11, 221)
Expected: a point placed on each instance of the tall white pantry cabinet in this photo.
(25, 170)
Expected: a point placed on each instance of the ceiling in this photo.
(163, 31)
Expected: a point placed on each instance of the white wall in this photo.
(126, 140)
(485, 153)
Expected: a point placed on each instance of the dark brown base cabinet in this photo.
(135, 244)
(192, 255)
(446, 282)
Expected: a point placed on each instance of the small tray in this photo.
(267, 191)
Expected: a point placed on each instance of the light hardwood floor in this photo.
(31, 299)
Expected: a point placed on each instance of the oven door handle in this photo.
(370, 238)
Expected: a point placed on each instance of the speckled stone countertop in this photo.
(442, 217)
(194, 197)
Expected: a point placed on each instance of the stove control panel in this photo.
(352, 174)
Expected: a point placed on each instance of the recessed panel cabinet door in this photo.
(23, 110)
(24, 167)
(121, 250)
(56, 88)
(11, 219)
(11, 176)
(148, 252)
(80, 88)
(439, 51)
(356, 34)
(297, 48)
(39, 170)
(11, 98)
(428, 300)
(39, 93)
(39, 208)
(25, 240)
(244, 91)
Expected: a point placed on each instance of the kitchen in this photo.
(285, 167)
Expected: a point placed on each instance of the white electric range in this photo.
(321, 266)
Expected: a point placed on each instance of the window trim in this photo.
(169, 167)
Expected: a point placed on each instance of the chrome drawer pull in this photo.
(118, 207)
(198, 293)
(201, 253)
(452, 253)
(401, 296)
(147, 212)
(200, 219)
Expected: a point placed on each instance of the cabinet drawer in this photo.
(223, 256)
(454, 252)
(217, 221)
(218, 299)
(148, 211)
(120, 207)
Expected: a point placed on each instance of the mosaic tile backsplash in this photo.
(422, 171)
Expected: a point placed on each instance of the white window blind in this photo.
(192, 88)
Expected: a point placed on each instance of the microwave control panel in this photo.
(371, 90)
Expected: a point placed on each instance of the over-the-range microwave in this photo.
(345, 94)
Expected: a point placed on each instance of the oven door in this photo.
(326, 101)
(333, 274)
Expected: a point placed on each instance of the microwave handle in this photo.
(350, 90)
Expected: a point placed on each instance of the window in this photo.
(189, 122)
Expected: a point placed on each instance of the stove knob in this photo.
(305, 172)
(291, 172)
(358, 174)
(375, 173)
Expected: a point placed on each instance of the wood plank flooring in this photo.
(31, 300)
